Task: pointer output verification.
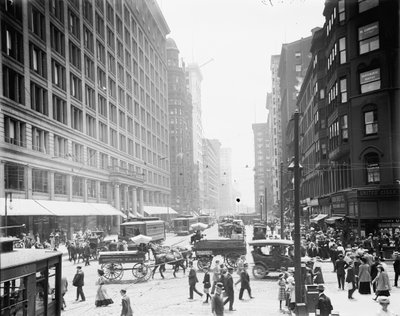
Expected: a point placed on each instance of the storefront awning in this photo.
(159, 210)
(333, 219)
(317, 218)
(23, 207)
(65, 208)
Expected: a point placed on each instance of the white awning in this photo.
(66, 208)
(317, 218)
(333, 219)
(158, 210)
(23, 207)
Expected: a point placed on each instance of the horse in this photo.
(187, 254)
(174, 258)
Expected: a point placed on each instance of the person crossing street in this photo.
(244, 282)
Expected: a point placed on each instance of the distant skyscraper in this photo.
(181, 132)
(262, 171)
(274, 116)
(211, 173)
(193, 81)
(227, 200)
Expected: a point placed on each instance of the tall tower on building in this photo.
(84, 111)
(193, 81)
(180, 132)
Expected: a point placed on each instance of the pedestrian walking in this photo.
(126, 304)
(102, 298)
(384, 311)
(340, 266)
(217, 303)
(229, 290)
(317, 275)
(291, 294)
(64, 289)
(374, 271)
(396, 267)
(206, 284)
(216, 275)
(192, 281)
(324, 305)
(79, 282)
(282, 290)
(364, 278)
(244, 282)
(383, 287)
(350, 280)
(86, 254)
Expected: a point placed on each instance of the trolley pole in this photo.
(297, 255)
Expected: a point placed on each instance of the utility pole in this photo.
(297, 256)
(282, 206)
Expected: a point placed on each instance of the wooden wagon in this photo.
(230, 249)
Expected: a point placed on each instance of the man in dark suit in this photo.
(340, 266)
(324, 306)
(244, 282)
(78, 281)
(192, 281)
(229, 290)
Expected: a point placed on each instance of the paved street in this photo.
(170, 296)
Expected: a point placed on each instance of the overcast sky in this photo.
(240, 36)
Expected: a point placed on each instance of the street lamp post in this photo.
(297, 255)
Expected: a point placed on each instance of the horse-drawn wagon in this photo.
(230, 249)
(112, 264)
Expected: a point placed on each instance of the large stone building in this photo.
(211, 173)
(193, 81)
(262, 169)
(84, 110)
(350, 117)
(181, 133)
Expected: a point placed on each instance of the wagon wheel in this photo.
(259, 271)
(204, 262)
(231, 259)
(113, 271)
(140, 270)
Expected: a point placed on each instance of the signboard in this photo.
(386, 192)
(204, 252)
(369, 76)
(368, 31)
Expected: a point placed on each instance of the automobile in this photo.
(272, 255)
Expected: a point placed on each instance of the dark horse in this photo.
(174, 258)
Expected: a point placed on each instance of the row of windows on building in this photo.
(16, 179)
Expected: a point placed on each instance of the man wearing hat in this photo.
(396, 267)
(78, 281)
(340, 266)
(229, 288)
(244, 282)
(324, 306)
(217, 303)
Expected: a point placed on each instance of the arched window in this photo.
(372, 168)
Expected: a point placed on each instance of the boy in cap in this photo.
(244, 282)
(229, 290)
(126, 304)
(217, 303)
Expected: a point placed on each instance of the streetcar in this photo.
(206, 219)
(181, 225)
(153, 228)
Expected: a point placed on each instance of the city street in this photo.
(170, 296)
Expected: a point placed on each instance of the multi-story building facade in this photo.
(262, 168)
(193, 81)
(180, 133)
(211, 173)
(274, 114)
(226, 195)
(355, 84)
(84, 105)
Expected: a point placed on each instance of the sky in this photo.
(235, 39)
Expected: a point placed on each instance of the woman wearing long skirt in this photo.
(282, 290)
(102, 298)
(318, 277)
(364, 278)
(382, 283)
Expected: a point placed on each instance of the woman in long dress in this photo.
(318, 277)
(364, 278)
(102, 298)
(382, 283)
